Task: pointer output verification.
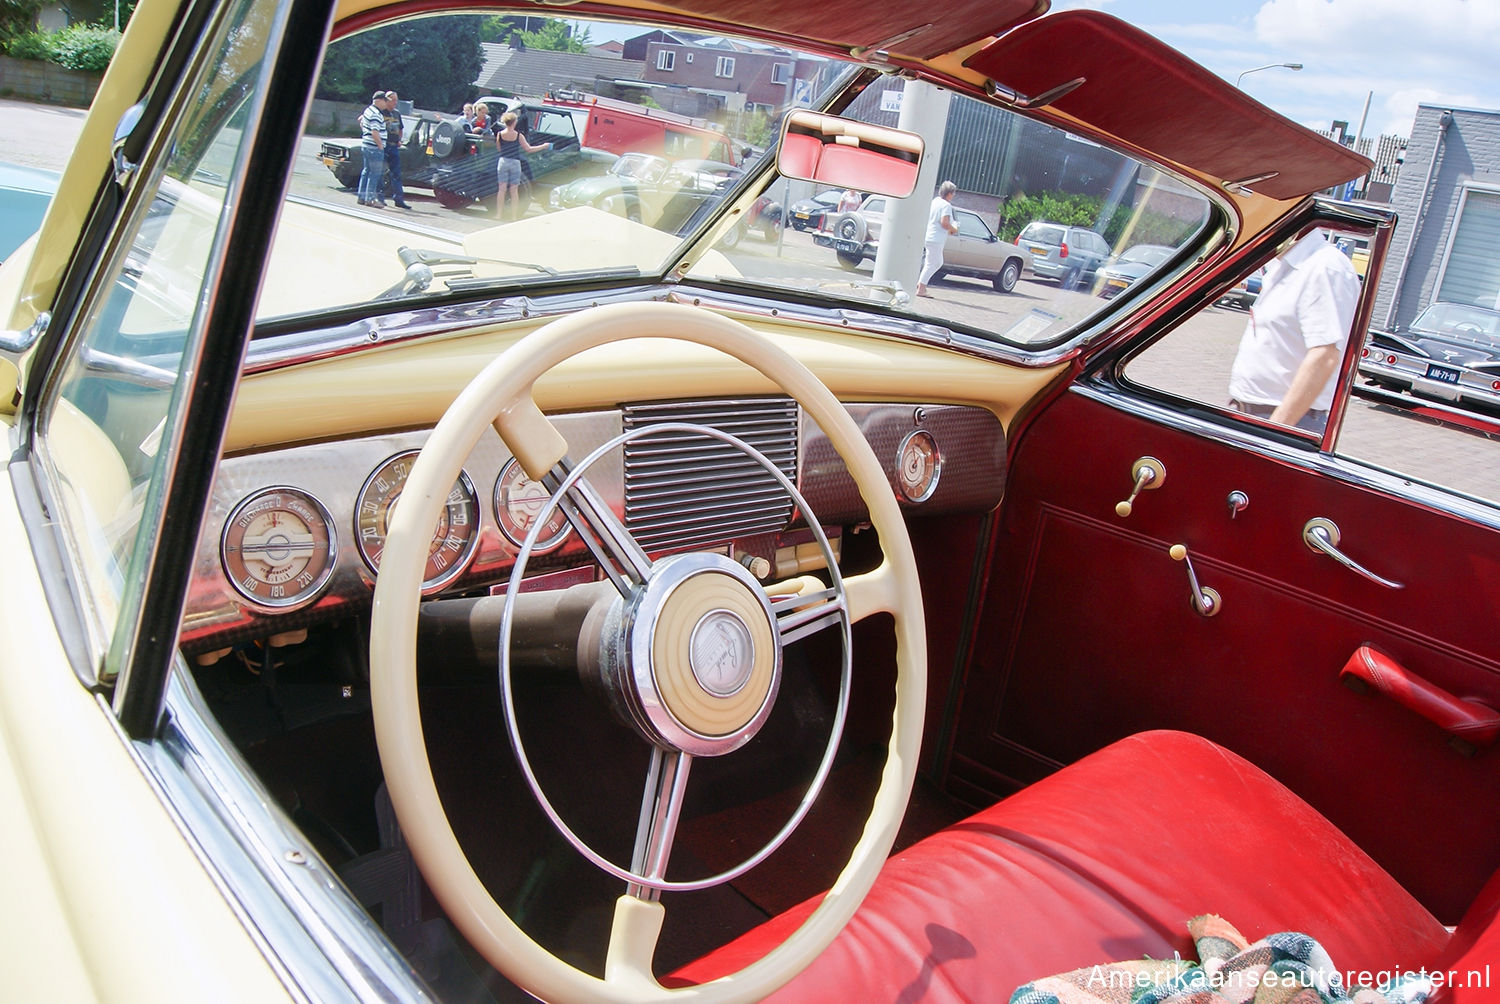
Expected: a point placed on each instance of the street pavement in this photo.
(1193, 362)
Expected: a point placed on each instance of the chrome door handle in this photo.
(1322, 534)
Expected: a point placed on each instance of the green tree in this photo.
(558, 36)
(17, 18)
(431, 61)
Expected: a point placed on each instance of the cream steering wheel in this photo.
(502, 395)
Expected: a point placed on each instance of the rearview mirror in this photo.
(843, 153)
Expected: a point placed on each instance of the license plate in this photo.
(1038, 251)
(1442, 374)
(850, 247)
(1117, 284)
(803, 216)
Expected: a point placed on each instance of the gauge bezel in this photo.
(937, 467)
(308, 594)
(516, 540)
(436, 582)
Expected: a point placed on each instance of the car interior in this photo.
(731, 587)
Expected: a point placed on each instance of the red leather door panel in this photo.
(1087, 635)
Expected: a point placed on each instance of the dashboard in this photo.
(294, 536)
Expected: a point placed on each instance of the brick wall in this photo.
(39, 80)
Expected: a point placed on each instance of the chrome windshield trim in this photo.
(401, 326)
(312, 930)
(1431, 498)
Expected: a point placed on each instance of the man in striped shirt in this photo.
(372, 147)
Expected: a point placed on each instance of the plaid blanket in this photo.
(1284, 968)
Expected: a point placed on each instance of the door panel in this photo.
(1088, 635)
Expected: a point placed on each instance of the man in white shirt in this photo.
(1290, 352)
(940, 224)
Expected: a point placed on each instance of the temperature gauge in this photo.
(278, 548)
(518, 503)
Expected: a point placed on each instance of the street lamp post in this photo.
(1268, 66)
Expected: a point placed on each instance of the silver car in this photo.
(1071, 255)
(973, 251)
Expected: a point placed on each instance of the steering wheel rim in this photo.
(502, 395)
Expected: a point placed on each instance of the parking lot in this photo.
(1192, 362)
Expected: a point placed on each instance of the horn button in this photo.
(705, 657)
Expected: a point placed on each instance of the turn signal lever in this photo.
(1148, 472)
(1205, 599)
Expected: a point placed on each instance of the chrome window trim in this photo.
(320, 941)
(1230, 433)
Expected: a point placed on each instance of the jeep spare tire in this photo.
(448, 138)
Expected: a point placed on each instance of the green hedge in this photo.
(76, 47)
(1076, 210)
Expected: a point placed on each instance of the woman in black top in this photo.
(510, 143)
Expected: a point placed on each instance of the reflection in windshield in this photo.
(624, 173)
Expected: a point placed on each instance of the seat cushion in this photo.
(1105, 860)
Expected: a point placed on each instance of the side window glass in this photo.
(1410, 410)
(104, 433)
(1272, 347)
(970, 225)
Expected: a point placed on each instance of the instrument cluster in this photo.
(296, 535)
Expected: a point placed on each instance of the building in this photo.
(1446, 245)
(741, 77)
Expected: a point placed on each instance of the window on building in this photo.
(724, 67)
(781, 73)
(666, 60)
(1471, 271)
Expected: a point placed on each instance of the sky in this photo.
(1407, 52)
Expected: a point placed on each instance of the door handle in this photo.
(1322, 535)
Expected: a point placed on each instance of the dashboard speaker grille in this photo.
(688, 490)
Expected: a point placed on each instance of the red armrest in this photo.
(1469, 721)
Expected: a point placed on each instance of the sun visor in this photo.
(912, 29)
(1153, 97)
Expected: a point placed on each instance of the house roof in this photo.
(537, 71)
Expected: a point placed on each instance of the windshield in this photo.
(541, 153)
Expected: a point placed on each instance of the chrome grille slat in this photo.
(685, 491)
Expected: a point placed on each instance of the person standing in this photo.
(372, 149)
(394, 140)
(509, 170)
(1290, 351)
(940, 224)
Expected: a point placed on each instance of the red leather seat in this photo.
(1104, 861)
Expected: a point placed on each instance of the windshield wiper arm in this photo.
(419, 275)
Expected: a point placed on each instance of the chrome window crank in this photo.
(1205, 599)
(1322, 534)
(1148, 472)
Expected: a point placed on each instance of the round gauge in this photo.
(278, 548)
(454, 539)
(918, 466)
(518, 502)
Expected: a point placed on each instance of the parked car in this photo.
(1245, 292)
(1071, 255)
(1450, 352)
(813, 213)
(419, 162)
(568, 609)
(465, 172)
(1117, 275)
(24, 195)
(973, 251)
(650, 190)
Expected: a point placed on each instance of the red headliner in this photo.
(849, 23)
(1152, 96)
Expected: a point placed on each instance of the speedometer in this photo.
(454, 539)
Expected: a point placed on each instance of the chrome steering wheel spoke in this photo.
(661, 809)
(623, 560)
